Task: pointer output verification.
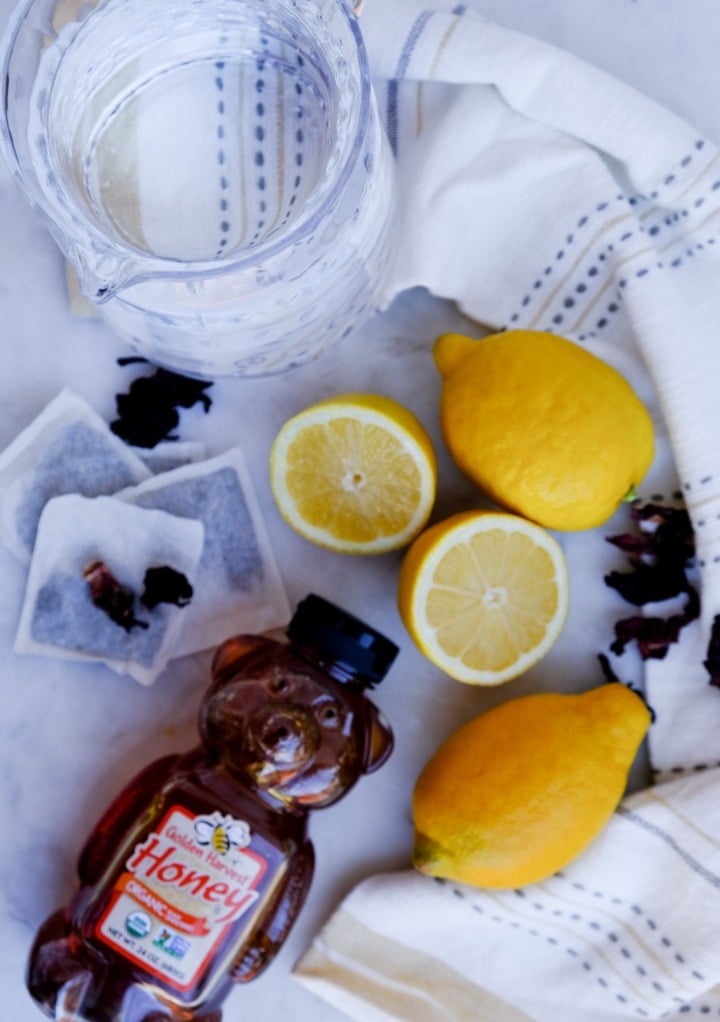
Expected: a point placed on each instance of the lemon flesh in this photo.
(484, 595)
(355, 473)
(543, 426)
(522, 790)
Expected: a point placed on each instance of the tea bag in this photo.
(68, 448)
(167, 455)
(239, 588)
(77, 538)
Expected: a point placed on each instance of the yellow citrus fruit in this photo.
(544, 427)
(521, 790)
(484, 595)
(355, 473)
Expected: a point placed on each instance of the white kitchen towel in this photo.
(541, 192)
(628, 931)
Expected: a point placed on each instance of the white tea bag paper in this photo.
(68, 448)
(167, 455)
(239, 588)
(59, 615)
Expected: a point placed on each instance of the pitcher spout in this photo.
(96, 291)
(102, 278)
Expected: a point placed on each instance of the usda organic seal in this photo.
(138, 924)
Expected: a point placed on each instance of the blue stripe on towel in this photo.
(689, 860)
(402, 66)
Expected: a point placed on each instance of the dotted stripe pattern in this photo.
(707, 521)
(625, 241)
(579, 954)
(298, 140)
(259, 137)
(700, 1009)
(223, 202)
(259, 134)
(692, 497)
(691, 768)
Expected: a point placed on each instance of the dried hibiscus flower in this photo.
(148, 412)
(110, 596)
(660, 555)
(165, 585)
(655, 635)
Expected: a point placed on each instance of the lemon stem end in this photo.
(450, 350)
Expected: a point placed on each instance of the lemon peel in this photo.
(544, 427)
(523, 789)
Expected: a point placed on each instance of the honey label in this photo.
(181, 890)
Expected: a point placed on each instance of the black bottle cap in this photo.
(342, 640)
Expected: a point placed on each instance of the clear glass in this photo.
(214, 170)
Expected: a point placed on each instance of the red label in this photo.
(181, 890)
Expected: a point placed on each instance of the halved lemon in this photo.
(484, 595)
(355, 473)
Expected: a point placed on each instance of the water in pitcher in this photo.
(200, 148)
(216, 172)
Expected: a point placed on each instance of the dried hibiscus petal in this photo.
(712, 664)
(671, 526)
(109, 595)
(655, 635)
(165, 585)
(659, 555)
(148, 412)
(648, 583)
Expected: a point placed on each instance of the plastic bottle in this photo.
(195, 874)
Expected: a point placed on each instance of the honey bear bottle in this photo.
(194, 876)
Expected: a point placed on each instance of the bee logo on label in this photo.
(222, 833)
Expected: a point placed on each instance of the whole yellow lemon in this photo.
(544, 427)
(521, 790)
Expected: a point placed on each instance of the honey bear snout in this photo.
(285, 735)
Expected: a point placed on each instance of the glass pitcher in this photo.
(215, 171)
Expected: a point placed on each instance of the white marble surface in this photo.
(71, 735)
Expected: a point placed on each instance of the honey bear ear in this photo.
(379, 742)
(232, 651)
